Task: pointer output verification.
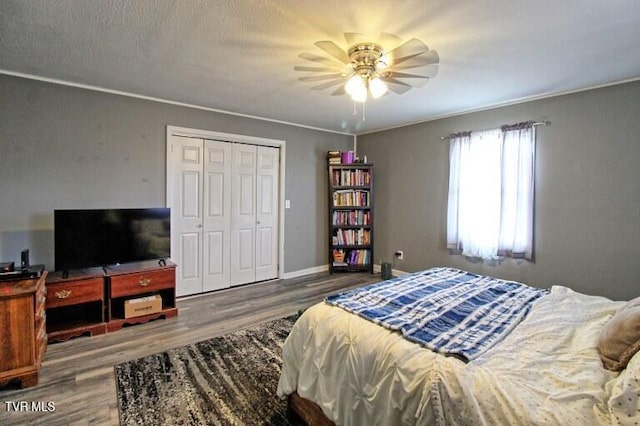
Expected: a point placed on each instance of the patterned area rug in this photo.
(228, 380)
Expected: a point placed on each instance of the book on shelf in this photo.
(351, 177)
(359, 257)
(354, 257)
(352, 237)
(333, 157)
(351, 198)
(351, 218)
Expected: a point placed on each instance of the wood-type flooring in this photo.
(77, 385)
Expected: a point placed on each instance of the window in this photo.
(491, 186)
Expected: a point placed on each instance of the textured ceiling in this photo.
(238, 56)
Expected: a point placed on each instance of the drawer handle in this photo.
(63, 294)
(144, 282)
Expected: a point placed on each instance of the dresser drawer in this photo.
(141, 282)
(73, 293)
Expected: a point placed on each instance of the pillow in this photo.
(620, 337)
(624, 394)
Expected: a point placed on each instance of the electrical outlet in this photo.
(399, 255)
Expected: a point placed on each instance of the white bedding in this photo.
(547, 371)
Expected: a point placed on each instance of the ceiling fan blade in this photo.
(320, 77)
(418, 60)
(430, 57)
(320, 59)
(397, 86)
(334, 50)
(429, 71)
(339, 91)
(392, 80)
(354, 38)
(328, 84)
(410, 48)
(388, 40)
(417, 80)
(396, 74)
(316, 69)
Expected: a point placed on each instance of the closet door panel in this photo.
(243, 214)
(245, 250)
(190, 249)
(186, 213)
(217, 215)
(216, 250)
(267, 175)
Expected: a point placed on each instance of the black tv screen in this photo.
(104, 237)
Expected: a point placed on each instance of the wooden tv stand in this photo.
(91, 301)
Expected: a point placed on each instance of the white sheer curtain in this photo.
(490, 207)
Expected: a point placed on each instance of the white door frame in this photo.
(230, 137)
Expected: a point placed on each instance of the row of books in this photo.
(352, 237)
(351, 257)
(351, 217)
(354, 177)
(351, 198)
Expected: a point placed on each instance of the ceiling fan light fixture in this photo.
(367, 68)
(377, 87)
(356, 88)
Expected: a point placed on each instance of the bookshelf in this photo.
(350, 217)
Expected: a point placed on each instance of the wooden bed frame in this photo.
(308, 411)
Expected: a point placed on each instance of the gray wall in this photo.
(65, 147)
(587, 205)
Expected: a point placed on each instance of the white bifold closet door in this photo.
(224, 213)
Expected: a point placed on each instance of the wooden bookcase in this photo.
(351, 218)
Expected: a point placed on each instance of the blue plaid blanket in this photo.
(447, 310)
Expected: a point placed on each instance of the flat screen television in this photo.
(106, 237)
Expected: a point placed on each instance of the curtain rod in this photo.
(537, 123)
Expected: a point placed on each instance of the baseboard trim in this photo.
(325, 268)
(308, 271)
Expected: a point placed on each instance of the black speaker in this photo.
(24, 258)
(386, 271)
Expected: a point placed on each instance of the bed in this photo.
(546, 369)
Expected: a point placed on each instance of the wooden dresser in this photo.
(23, 336)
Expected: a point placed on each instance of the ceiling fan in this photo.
(370, 67)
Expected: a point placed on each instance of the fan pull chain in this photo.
(355, 110)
